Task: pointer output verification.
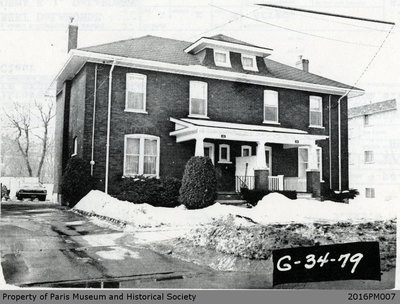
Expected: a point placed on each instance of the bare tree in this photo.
(20, 120)
(23, 122)
(46, 114)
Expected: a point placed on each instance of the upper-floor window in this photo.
(249, 62)
(221, 58)
(198, 99)
(271, 106)
(366, 120)
(368, 157)
(370, 192)
(141, 155)
(135, 93)
(315, 111)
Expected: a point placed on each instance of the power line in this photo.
(327, 14)
(221, 25)
(293, 30)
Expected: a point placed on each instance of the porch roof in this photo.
(190, 129)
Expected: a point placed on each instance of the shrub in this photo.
(163, 192)
(77, 181)
(5, 193)
(199, 183)
(342, 197)
(253, 196)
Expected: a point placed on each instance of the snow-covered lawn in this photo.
(273, 208)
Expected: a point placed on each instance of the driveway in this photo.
(47, 245)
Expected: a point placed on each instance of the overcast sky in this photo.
(33, 36)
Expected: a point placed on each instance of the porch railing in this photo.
(275, 183)
(244, 182)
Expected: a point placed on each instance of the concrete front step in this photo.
(231, 202)
(304, 195)
(228, 196)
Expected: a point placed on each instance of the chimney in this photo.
(72, 36)
(302, 64)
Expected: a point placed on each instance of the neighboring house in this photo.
(374, 146)
(144, 106)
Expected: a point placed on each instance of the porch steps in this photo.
(304, 195)
(230, 198)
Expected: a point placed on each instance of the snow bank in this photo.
(273, 208)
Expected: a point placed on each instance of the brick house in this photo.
(146, 105)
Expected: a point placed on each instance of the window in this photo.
(224, 154)
(368, 157)
(142, 155)
(366, 120)
(135, 93)
(270, 106)
(249, 62)
(246, 151)
(315, 111)
(209, 151)
(370, 192)
(198, 99)
(221, 58)
(75, 151)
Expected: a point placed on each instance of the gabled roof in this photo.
(221, 37)
(172, 51)
(372, 108)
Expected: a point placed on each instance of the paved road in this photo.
(47, 245)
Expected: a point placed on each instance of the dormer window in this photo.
(221, 58)
(249, 62)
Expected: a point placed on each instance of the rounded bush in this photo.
(77, 181)
(199, 183)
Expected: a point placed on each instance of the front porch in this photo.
(254, 156)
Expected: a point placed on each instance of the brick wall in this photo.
(168, 96)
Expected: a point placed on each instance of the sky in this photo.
(33, 35)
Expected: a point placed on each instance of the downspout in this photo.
(94, 118)
(330, 142)
(108, 126)
(340, 141)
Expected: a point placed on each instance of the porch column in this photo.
(199, 150)
(261, 160)
(261, 172)
(313, 174)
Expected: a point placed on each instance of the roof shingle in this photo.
(372, 108)
(172, 51)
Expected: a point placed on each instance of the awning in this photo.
(191, 129)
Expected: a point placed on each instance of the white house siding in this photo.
(382, 136)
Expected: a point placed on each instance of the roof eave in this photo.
(77, 58)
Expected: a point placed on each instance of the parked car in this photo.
(32, 191)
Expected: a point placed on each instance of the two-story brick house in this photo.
(146, 105)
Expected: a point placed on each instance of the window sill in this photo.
(316, 127)
(198, 116)
(224, 162)
(139, 175)
(271, 122)
(224, 65)
(136, 111)
(250, 69)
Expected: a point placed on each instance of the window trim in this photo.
(252, 57)
(141, 138)
(319, 98)
(244, 147)
(226, 64)
(190, 99)
(365, 157)
(277, 108)
(144, 78)
(212, 146)
(75, 146)
(228, 154)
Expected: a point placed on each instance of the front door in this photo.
(268, 158)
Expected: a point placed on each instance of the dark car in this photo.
(32, 191)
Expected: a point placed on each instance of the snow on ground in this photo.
(273, 208)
